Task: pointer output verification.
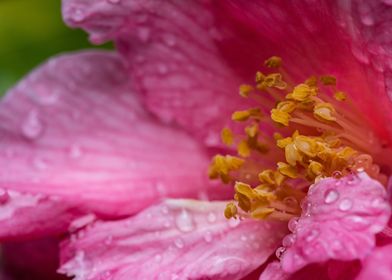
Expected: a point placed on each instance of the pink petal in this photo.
(339, 221)
(378, 265)
(33, 260)
(27, 216)
(230, 40)
(75, 129)
(333, 270)
(179, 239)
(177, 66)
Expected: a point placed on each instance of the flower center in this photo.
(295, 136)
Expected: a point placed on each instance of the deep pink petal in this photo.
(173, 58)
(230, 40)
(179, 239)
(339, 221)
(378, 265)
(74, 129)
(274, 271)
(33, 260)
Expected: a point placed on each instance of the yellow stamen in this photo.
(227, 136)
(280, 117)
(328, 80)
(243, 149)
(245, 90)
(324, 111)
(273, 62)
(302, 92)
(287, 170)
(242, 116)
(340, 96)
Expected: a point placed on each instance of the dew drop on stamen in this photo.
(331, 196)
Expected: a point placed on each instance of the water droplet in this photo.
(312, 235)
(293, 223)
(158, 258)
(337, 174)
(165, 210)
(234, 222)
(144, 34)
(40, 164)
(280, 252)
(355, 222)
(290, 201)
(162, 68)
(367, 20)
(184, 221)
(161, 189)
(331, 196)
(179, 243)
(114, 1)
(169, 40)
(211, 218)
(32, 127)
(78, 15)
(108, 240)
(167, 224)
(346, 204)
(4, 196)
(208, 236)
(306, 207)
(75, 151)
(288, 240)
(243, 237)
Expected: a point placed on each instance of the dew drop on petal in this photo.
(293, 223)
(208, 236)
(346, 204)
(234, 222)
(279, 252)
(158, 258)
(75, 151)
(179, 243)
(211, 218)
(4, 196)
(288, 240)
(32, 127)
(331, 196)
(40, 163)
(184, 221)
(114, 1)
(314, 233)
(78, 15)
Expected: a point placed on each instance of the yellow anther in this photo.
(302, 92)
(315, 169)
(272, 80)
(287, 170)
(241, 116)
(282, 143)
(273, 62)
(324, 111)
(227, 136)
(231, 210)
(277, 136)
(243, 149)
(245, 189)
(259, 77)
(267, 176)
(306, 145)
(243, 201)
(328, 80)
(292, 154)
(245, 90)
(286, 106)
(252, 130)
(280, 117)
(221, 166)
(312, 81)
(262, 212)
(340, 96)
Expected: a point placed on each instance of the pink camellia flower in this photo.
(108, 153)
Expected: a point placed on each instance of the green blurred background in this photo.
(30, 32)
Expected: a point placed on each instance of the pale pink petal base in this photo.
(339, 221)
(179, 239)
